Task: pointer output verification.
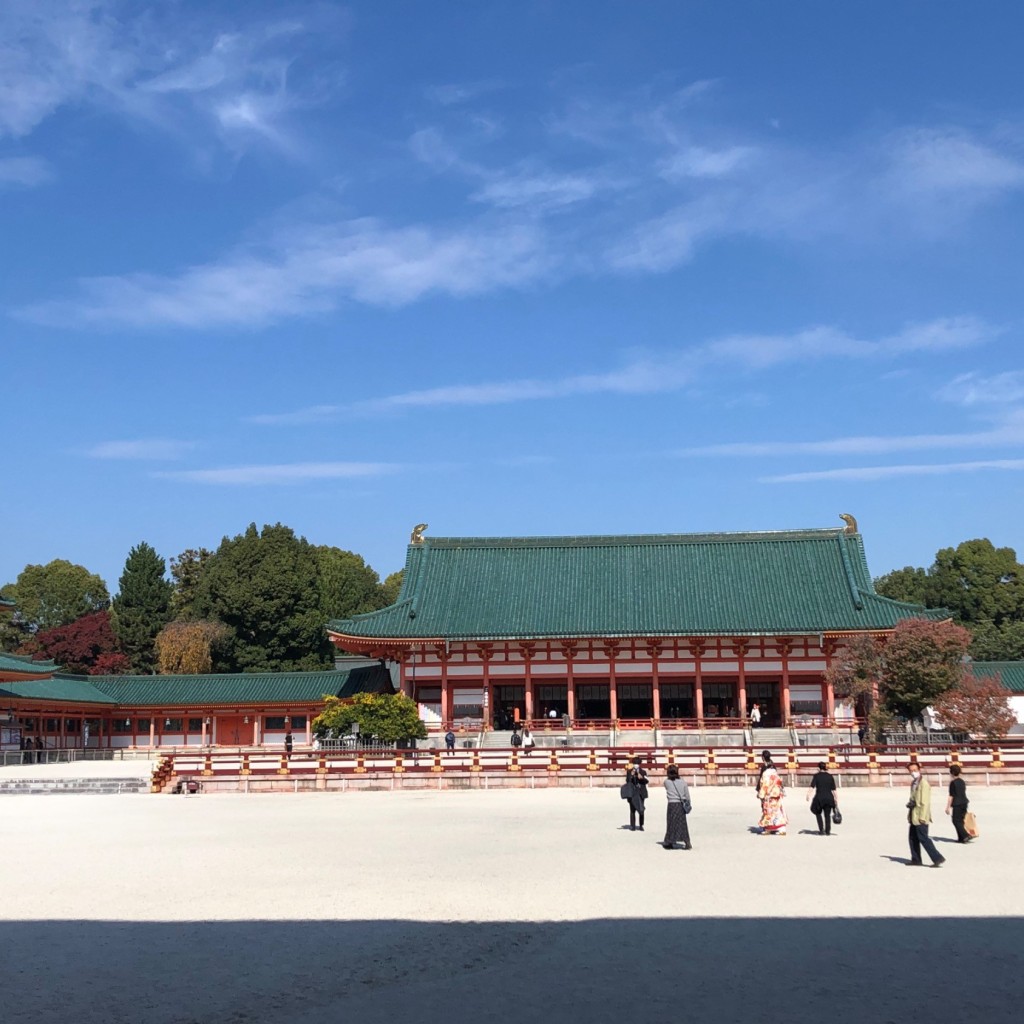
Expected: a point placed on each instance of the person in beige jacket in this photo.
(919, 816)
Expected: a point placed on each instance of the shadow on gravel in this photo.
(702, 969)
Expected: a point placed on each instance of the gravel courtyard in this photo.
(457, 906)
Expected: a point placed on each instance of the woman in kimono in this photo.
(770, 791)
(677, 795)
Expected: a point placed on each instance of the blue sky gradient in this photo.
(508, 269)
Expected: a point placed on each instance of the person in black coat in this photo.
(636, 779)
(823, 788)
(957, 804)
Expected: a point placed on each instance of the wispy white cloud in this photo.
(705, 162)
(181, 74)
(299, 417)
(528, 183)
(653, 373)
(871, 473)
(153, 449)
(949, 160)
(542, 190)
(284, 473)
(310, 269)
(823, 342)
(1008, 434)
(976, 389)
(457, 93)
(24, 171)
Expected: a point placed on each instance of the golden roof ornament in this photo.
(417, 533)
(851, 523)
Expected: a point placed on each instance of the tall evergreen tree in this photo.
(265, 587)
(348, 586)
(142, 607)
(187, 571)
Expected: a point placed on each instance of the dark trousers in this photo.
(824, 819)
(919, 837)
(634, 811)
(959, 813)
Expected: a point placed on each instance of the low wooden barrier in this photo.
(252, 770)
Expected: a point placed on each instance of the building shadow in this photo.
(601, 970)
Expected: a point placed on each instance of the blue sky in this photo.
(508, 268)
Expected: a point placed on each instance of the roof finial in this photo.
(851, 523)
(417, 533)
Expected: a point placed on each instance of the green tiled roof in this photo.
(24, 664)
(6, 602)
(791, 582)
(1011, 673)
(67, 690)
(243, 688)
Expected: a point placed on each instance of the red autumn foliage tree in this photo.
(979, 707)
(86, 646)
(923, 659)
(857, 672)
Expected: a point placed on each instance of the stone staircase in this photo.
(772, 739)
(94, 786)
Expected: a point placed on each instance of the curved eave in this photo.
(244, 707)
(348, 640)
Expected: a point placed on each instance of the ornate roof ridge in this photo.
(626, 540)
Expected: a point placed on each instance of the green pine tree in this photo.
(142, 607)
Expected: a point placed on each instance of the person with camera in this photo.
(636, 786)
(919, 817)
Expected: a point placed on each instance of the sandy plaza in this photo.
(458, 906)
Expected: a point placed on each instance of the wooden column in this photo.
(611, 652)
(653, 652)
(529, 652)
(570, 681)
(152, 731)
(828, 648)
(486, 652)
(785, 649)
(741, 647)
(443, 655)
(697, 649)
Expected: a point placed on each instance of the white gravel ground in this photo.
(457, 906)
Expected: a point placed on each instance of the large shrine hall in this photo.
(673, 630)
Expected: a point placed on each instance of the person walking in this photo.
(755, 717)
(636, 780)
(449, 741)
(919, 817)
(528, 741)
(289, 743)
(824, 802)
(677, 793)
(957, 804)
(771, 792)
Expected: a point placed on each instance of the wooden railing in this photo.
(599, 761)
